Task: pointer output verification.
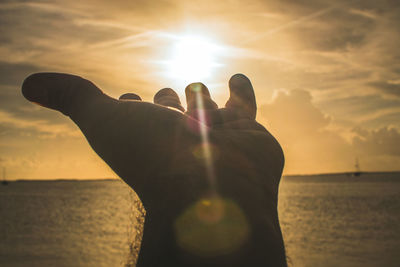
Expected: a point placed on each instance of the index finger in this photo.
(242, 98)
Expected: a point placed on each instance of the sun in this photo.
(193, 58)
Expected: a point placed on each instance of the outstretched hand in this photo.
(152, 135)
(173, 157)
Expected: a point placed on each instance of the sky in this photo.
(326, 74)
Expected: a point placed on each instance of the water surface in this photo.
(326, 220)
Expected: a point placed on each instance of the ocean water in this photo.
(339, 220)
(330, 220)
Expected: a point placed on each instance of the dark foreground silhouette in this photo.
(208, 177)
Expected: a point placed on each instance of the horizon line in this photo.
(117, 178)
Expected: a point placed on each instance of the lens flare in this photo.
(198, 151)
(212, 226)
(207, 155)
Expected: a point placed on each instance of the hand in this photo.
(173, 158)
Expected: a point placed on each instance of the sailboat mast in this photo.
(4, 182)
(357, 172)
(357, 165)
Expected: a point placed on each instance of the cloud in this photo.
(12, 74)
(345, 54)
(371, 111)
(302, 130)
(13, 103)
(311, 142)
(295, 108)
(14, 126)
(385, 119)
(386, 87)
(365, 13)
(383, 141)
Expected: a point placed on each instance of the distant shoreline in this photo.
(341, 173)
(65, 180)
(348, 174)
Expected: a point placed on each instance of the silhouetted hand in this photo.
(218, 161)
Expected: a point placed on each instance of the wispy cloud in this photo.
(386, 87)
(364, 13)
(292, 23)
(42, 127)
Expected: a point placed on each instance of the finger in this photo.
(169, 98)
(63, 92)
(242, 98)
(129, 96)
(198, 97)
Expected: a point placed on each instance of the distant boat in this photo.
(357, 167)
(4, 182)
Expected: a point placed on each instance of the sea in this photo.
(327, 220)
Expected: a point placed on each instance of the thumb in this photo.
(63, 92)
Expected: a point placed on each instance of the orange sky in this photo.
(327, 77)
